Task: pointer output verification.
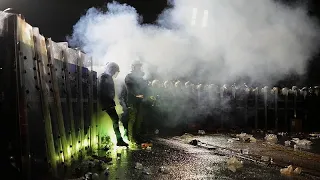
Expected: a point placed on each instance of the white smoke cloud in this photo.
(3, 16)
(261, 39)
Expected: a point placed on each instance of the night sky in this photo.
(55, 18)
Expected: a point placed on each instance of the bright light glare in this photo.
(194, 16)
(205, 18)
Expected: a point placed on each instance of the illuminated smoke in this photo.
(225, 39)
(205, 41)
(3, 16)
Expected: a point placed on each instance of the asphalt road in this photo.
(182, 161)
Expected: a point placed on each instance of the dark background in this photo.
(55, 18)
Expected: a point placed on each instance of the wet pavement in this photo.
(173, 159)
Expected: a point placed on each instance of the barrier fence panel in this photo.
(60, 62)
(9, 95)
(71, 67)
(94, 125)
(49, 95)
(42, 59)
(85, 77)
(31, 121)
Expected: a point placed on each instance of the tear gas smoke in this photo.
(260, 39)
(204, 41)
(3, 16)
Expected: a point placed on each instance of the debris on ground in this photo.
(298, 170)
(287, 143)
(234, 164)
(288, 171)
(148, 148)
(146, 171)
(272, 138)
(244, 137)
(81, 178)
(231, 140)
(314, 136)
(194, 142)
(163, 170)
(245, 151)
(265, 158)
(88, 175)
(252, 139)
(118, 156)
(146, 145)
(106, 173)
(201, 132)
(282, 134)
(138, 166)
(104, 158)
(95, 176)
(302, 142)
(186, 137)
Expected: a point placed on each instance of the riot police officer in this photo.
(137, 90)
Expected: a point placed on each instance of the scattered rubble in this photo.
(146, 171)
(138, 166)
(95, 176)
(314, 136)
(231, 140)
(272, 138)
(298, 170)
(194, 142)
(245, 151)
(244, 137)
(303, 142)
(201, 132)
(234, 164)
(186, 136)
(146, 145)
(163, 170)
(288, 171)
(106, 172)
(287, 143)
(88, 175)
(265, 158)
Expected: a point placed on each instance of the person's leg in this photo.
(125, 120)
(132, 116)
(115, 122)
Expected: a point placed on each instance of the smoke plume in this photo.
(3, 16)
(204, 40)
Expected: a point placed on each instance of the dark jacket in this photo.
(136, 85)
(123, 97)
(106, 91)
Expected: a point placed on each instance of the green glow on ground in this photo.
(106, 127)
